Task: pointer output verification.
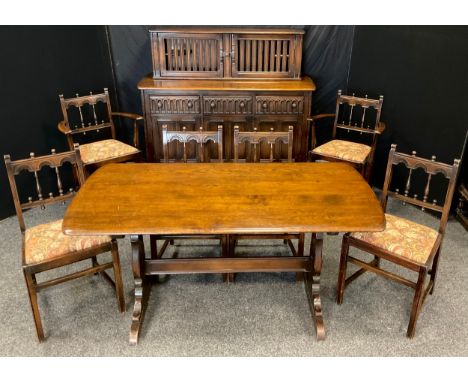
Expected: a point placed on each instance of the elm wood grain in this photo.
(224, 199)
(352, 120)
(431, 168)
(31, 269)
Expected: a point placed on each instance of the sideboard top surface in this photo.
(221, 29)
(304, 84)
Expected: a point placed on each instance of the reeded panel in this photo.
(267, 56)
(175, 104)
(227, 105)
(190, 55)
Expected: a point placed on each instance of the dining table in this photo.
(137, 199)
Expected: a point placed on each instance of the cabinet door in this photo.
(266, 123)
(190, 55)
(263, 56)
(228, 123)
(175, 148)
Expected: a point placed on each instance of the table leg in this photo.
(138, 255)
(312, 284)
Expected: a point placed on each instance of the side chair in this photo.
(45, 247)
(91, 115)
(252, 147)
(403, 242)
(353, 116)
(200, 139)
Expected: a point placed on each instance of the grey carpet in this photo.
(258, 315)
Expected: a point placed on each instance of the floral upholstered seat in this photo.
(103, 150)
(47, 241)
(402, 237)
(345, 150)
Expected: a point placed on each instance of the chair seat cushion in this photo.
(103, 150)
(402, 238)
(47, 241)
(348, 151)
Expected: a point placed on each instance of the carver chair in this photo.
(91, 115)
(45, 247)
(353, 116)
(201, 139)
(252, 147)
(413, 246)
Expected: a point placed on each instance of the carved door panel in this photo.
(175, 148)
(266, 123)
(228, 123)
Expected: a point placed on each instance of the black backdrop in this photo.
(421, 71)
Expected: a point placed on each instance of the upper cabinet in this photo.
(210, 53)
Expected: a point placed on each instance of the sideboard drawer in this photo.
(227, 105)
(174, 104)
(279, 105)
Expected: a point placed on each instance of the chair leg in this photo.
(342, 272)
(31, 285)
(435, 265)
(94, 262)
(118, 277)
(417, 302)
(300, 252)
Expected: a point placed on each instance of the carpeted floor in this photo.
(258, 315)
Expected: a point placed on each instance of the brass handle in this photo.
(294, 105)
(189, 104)
(264, 105)
(212, 104)
(241, 104)
(159, 104)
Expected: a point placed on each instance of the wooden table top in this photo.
(223, 198)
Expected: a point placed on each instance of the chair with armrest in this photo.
(252, 147)
(405, 243)
(91, 114)
(45, 247)
(357, 115)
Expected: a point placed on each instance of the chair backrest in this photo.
(357, 113)
(430, 168)
(255, 138)
(88, 113)
(34, 165)
(201, 138)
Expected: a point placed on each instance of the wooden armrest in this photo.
(320, 116)
(136, 117)
(62, 126)
(380, 127)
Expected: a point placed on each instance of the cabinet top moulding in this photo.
(220, 29)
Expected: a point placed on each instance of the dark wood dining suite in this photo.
(139, 199)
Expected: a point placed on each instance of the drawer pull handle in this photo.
(241, 104)
(190, 104)
(264, 105)
(294, 105)
(212, 104)
(159, 104)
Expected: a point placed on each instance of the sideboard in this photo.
(205, 77)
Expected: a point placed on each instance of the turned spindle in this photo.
(271, 146)
(202, 148)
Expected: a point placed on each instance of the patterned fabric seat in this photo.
(345, 150)
(403, 238)
(47, 241)
(105, 149)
